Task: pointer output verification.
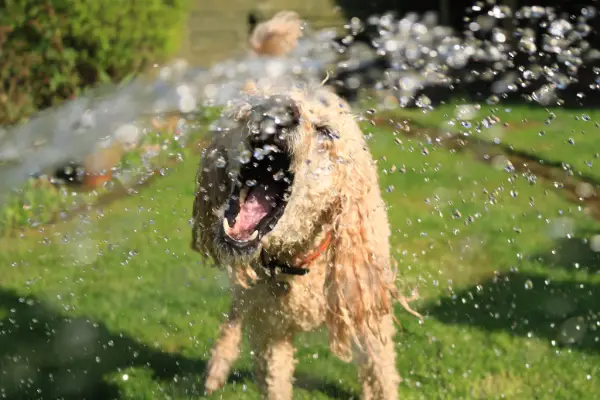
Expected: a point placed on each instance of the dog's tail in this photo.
(277, 36)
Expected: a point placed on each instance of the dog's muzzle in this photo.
(264, 182)
(271, 122)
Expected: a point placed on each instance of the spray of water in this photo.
(69, 132)
(409, 57)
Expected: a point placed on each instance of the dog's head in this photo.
(283, 160)
(287, 166)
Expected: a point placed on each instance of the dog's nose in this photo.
(280, 109)
(272, 120)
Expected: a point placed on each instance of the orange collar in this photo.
(304, 266)
(321, 248)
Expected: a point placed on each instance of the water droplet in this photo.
(572, 330)
(259, 153)
(221, 162)
(584, 190)
(423, 101)
(245, 156)
(268, 126)
(466, 112)
(595, 243)
(561, 228)
(493, 99)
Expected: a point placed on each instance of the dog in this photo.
(288, 201)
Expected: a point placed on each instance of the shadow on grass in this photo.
(565, 313)
(46, 355)
(574, 254)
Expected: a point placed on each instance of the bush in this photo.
(51, 49)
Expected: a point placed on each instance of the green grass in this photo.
(113, 303)
(569, 136)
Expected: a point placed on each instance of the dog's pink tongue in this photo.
(254, 209)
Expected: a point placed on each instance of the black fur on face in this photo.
(263, 184)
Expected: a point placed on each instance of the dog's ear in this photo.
(359, 275)
(211, 178)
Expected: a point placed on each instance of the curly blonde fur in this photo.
(277, 36)
(350, 286)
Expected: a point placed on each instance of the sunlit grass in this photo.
(568, 136)
(501, 265)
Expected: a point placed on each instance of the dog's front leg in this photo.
(377, 364)
(274, 362)
(225, 351)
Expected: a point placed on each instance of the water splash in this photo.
(414, 58)
(71, 131)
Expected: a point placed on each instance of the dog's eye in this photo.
(326, 132)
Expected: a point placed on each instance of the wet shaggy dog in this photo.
(288, 201)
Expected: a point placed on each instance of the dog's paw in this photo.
(216, 375)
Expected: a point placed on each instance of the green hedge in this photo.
(51, 49)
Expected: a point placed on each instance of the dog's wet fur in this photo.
(288, 170)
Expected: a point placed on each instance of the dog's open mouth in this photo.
(258, 199)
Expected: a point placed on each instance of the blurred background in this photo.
(229, 21)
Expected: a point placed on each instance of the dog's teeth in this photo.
(243, 195)
(226, 225)
(254, 236)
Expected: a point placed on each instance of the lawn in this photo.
(113, 304)
(556, 135)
